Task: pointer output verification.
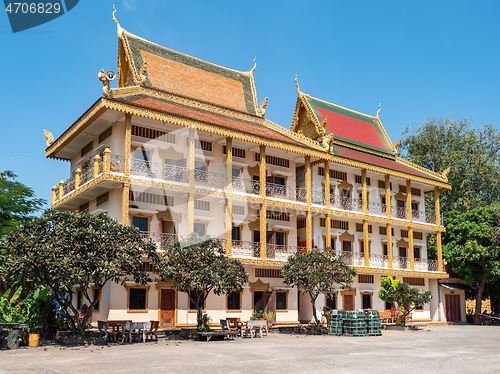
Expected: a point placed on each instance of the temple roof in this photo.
(175, 72)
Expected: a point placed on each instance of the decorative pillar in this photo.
(229, 165)
(389, 244)
(410, 244)
(328, 219)
(262, 171)
(191, 155)
(437, 209)
(309, 235)
(408, 200)
(364, 192)
(263, 231)
(366, 243)
(229, 226)
(308, 187)
(54, 194)
(61, 189)
(440, 251)
(97, 159)
(127, 145)
(388, 195)
(78, 173)
(308, 179)
(106, 161)
(125, 203)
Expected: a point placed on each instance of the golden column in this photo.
(97, 159)
(309, 233)
(388, 196)
(106, 160)
(78, 173)
(61, 189)
(128, 144)
(229, 190)
(125, 203)
(190, 213)
(438, 233)
(328, 220)
(389, 245)
(127, 148)
(54, 194)
(263, 215)
(410, 244)
(408, 200)
(365, 243)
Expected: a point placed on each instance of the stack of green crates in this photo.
(335, 326)
(373, 322)
(354, 324)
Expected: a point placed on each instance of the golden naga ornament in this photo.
(445, 173)
(262, 109)
(49, 137)
(142, 72)
(396, 146)
(105, 82)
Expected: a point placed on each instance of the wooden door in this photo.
(453, 310)
(270, 302)
(348, 302)
(271, 241)
(167, 310)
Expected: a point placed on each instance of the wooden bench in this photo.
(210, 334)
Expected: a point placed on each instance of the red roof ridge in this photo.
(296, 136)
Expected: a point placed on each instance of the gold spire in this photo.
(297, 83)
(254, 65)
(378, 111)
(119, 30)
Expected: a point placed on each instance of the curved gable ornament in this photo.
(168, 215)
(402, 243)
(445, 173)
(170, 153)
(254, 170)
(49, 137)
(258, 285)
(345, 236)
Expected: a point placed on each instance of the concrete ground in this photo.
(437, 349)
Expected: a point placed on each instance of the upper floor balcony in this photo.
(280, 253)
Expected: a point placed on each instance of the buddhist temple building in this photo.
(183, 145)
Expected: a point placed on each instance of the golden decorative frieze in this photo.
(164, 284)
(409, 272)
(402, 243)
(345, 236)
(258, 285)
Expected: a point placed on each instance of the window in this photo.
(359, 228)
(151, 198)
(419, 308)
(362, 247)
(382, 230)
(101, 199)
(416, 253)
(268, 273)
(415, 191)
(366, 301)
(79, 299)
(280, 238)
(414, 206)
(153, 134)
(414, 281)
(142, 223)
(199, 228)
(142, 154)
(272, 160)
(84, 207)
(202, 205)
(335, 224)
(137, 299)
(381, 184)
(366, 278)
(237, 152)
(333, 173)
(417, 235)
(97, 296)
(192, 304)
(404, 233)
(388, 306)
(236, 233)
(202, 144)
(278, 216)
(346, 246)
(279, 181)
(105, 134)
(386, 252)
(86, 149)
(281, 300)
(301, 223)
(236, 172)
(331, 301)
(200, 165)
(360, 180)
(402, 189)
(234, 300)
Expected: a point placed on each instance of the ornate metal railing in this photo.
(241, 248)
(69, 185)
(399, 212)
(87, 174)
(423, 216)
(162, 240)
(281, 252)
(318, 197)
(300, 194)
(246, 185)
(400, 262)
(116, 164)
(377, 208)
(280, 191)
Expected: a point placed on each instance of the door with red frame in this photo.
(453, 310)
(167, 310)
(348, 302)
(270, 302)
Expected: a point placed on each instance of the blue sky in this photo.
(418, 59)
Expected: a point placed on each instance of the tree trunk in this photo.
(313, 302)
(199, 316)
(479, 298)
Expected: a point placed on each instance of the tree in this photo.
(61, 250)
(472, 154)
(317, 272)
(405, 297)
(17, 202)
(472, 248)
(198, 265)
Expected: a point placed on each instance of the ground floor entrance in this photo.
(453, 310)
(167, 307)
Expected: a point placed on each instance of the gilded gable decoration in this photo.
(400, 196)
(168, 215)
(142, 72)
(49, 137)
(402, 243)
(344, 185)
(170, 153)
(258, 285)
(345, 236)
(254, 225)
(164, 284)
(254, 170)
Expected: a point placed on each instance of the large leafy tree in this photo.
(61, 250)
(17, 202)
(406, 298)
(473, 155)
(198, 265)
(472, 248)
(317, 272)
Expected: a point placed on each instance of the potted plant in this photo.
(31, 309)
(270, 318)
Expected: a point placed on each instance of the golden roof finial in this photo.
(254, 65)
(297, 83)
(396, 145)
(378, 111)
(49, 137)
(119, 29)
(445, 173)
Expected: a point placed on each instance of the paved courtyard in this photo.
(443, 349)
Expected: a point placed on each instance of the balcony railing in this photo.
(162, 240)
(246, 185)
